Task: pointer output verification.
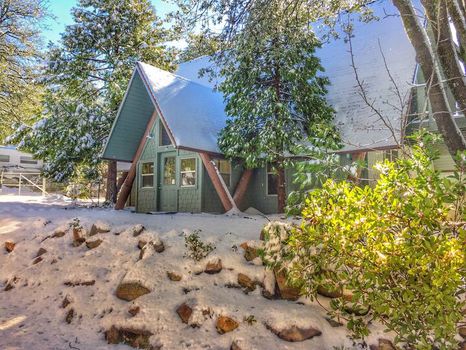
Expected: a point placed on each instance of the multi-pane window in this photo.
(4, 158)
(391, 155)
(164, 138)
(147, 174)
(188, 172)
(272, 180)
(27, 160)
(224, 168)
(169, 171)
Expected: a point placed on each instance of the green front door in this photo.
(168, 188)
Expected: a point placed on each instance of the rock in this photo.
(134, 310)
(173, 276)
(37, 260)
(78, 236)
(99, 227)
(247, 283)
(54, 261)
(41, 251)
(141, 243)
(235, 345)
(136, 338)
(286, 291)
(136, 230)
(58, 233)
(185, 312)
(131, 290)
(333, 323)
(11, 283)
(384, 344)
(214, 266)
(158, 245)
(330, 293)
(225, 324)
(9, 246)
(93, 244)
(462, 332)
(462, 346)
(251, 250)
(69, 316)
(356, 309)
(66, 301)
(294, 333)
(270, 290)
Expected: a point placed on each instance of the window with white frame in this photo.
(188, 172)
(272, 180)
(224, 168)
(147, 174)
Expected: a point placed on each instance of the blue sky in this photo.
(61, 10)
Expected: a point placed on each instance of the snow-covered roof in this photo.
(193, 113)
(359, 126)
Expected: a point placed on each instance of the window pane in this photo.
(164, 138)
(147, 168)
(188, 178)
(4, 158)
(272, 181)
(169, 177)
(188, 164)
(27, 160)
(148, 181)
(226, 178)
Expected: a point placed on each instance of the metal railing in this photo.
(23, 180)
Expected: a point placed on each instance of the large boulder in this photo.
(136, 338)
(294, 333)
(225, 324)
(131, 290)
(9, 246)
(213, 266)
(287, 292)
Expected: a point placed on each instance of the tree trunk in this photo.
(457, 17)
(121, 180)
(281, 188)
(111, 193)
(452, 136)
(438, 18)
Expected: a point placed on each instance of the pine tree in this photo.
(200, 44)
(20, 92)
(87, 76)
(274, 94)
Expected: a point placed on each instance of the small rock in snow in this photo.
(287, 292)
(330, 293)
(41, 251)
(9, 246)
(11, 284)
(99, 227)
(131, 290)
(136, 338)
(250, 250)
(462, 332)
(136, 230)
(134, 310)
(58, 233)
(142, 243)
(384, 344)
(69, 316)
(93, 244)
(225, 324)
(213, 266)
(294, 333)
(333, 323)
(37, 260)
(173, 276)
(66, 301)
(78, 236)
(185, 312)
(235, 345)
(247, 283)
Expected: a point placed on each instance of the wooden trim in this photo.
(128, 183)
(242, 186)
(225, 198)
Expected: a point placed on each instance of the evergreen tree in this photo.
(87, 76)
(200, 44)
(20, 92)
(274, 94)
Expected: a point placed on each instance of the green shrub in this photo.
(196, 249)
(398, 249)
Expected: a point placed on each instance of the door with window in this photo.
(168, 188)
(146, 190)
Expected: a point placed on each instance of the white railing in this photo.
(22, 180)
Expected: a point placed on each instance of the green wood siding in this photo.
(130, 125)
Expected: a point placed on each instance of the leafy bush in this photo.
(196, 249)
(395, 251)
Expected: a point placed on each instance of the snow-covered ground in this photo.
(32, 316)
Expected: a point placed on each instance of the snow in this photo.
(31, 316)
